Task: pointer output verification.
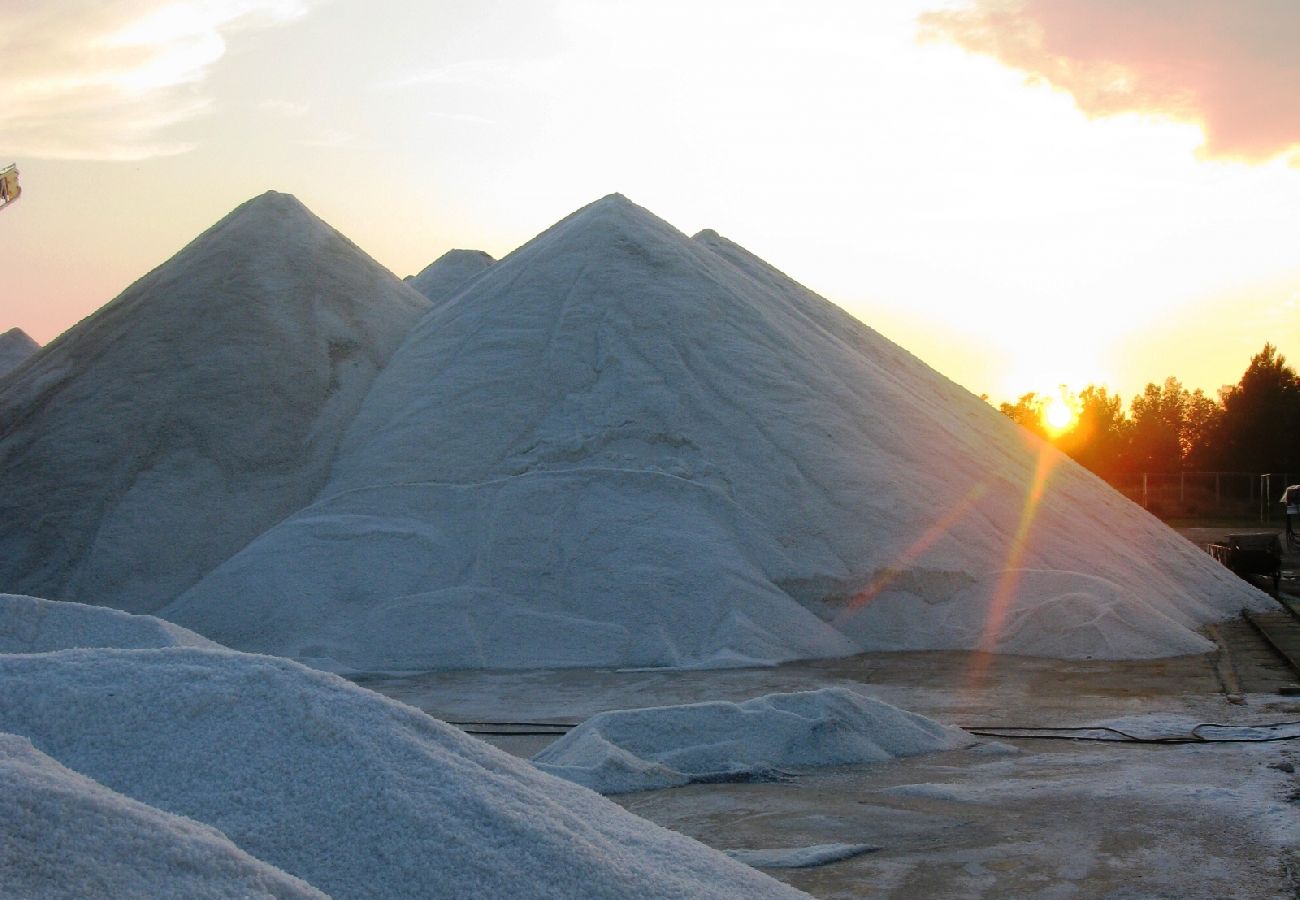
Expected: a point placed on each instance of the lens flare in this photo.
(1005, 592)
(891, 573)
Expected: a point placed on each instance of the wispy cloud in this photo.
(289, 109)
(1231, 67)
(107, 80)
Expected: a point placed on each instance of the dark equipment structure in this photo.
(1250, 555)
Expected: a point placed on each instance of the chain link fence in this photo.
(1237, 495)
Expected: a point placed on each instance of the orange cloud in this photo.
(1232, 66)
(107, 80)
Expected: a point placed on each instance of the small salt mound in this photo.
(32, 625)
(1066, 615)
(354, 793)
(63, 835)
(668, 746)
(15, 346)
(799, 857)
(443, 278)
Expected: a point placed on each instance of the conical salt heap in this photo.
(16, 346)
(200, 407)
(621, 446)
(441, 279)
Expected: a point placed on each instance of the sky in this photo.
(1024, 193)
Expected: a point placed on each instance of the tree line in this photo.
(1251, 426)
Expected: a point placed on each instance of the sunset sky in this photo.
(1024, 193)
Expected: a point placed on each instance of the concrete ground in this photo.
(1009, 817)
(1015, 817)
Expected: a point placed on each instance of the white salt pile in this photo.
(1026, 612)
(668, 746)
(622, 446)
(355, 794)
(16, 345)
(33, 625)
(203, 405)
(799, 857)
(443, 278)
(64, 836)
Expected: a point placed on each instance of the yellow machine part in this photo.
(9, 189)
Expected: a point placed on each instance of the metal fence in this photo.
(1191, 494)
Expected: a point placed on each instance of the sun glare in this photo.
(1058, 415)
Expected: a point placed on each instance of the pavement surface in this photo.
(1015, 817)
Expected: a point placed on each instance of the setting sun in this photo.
(1058, 415)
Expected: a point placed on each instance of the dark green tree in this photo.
(1259, 428)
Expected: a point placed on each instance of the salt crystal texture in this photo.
(622, 446)
(668, 746)
(353, 793)
(200, 407)
(33, 625)
(16, 346)
(443, 278)
(64, 836)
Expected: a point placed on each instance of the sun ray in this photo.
(1005, 592)
(888, 574)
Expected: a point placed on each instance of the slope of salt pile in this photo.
(204, 404)
(668, 746)
(1031, 613)
(351, 792)
(443, 278)
(63, 835)
(15, 346)
(33, 625)
(621, 438)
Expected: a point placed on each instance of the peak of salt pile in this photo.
(15, 346)
(443, 278)
(33, 625)
(353, 793)
(623, 446)
(669, 746)
(63, 835)
(201, 406)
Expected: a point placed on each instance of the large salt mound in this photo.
(64, 836)
(1032, 613)
(15, 346)
(668, 746)
(33, 625)
(203, 405)
(645, 569)
(724, 422)
(354, 793)
(443, 278)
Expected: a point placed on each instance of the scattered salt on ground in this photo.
(16, 345)
(799, 857)
(1032, 613)
(443, 278)
(623, 446)
(356, 794)
(63, 836)
(33, 625)
(668, 746)
(203, 405)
